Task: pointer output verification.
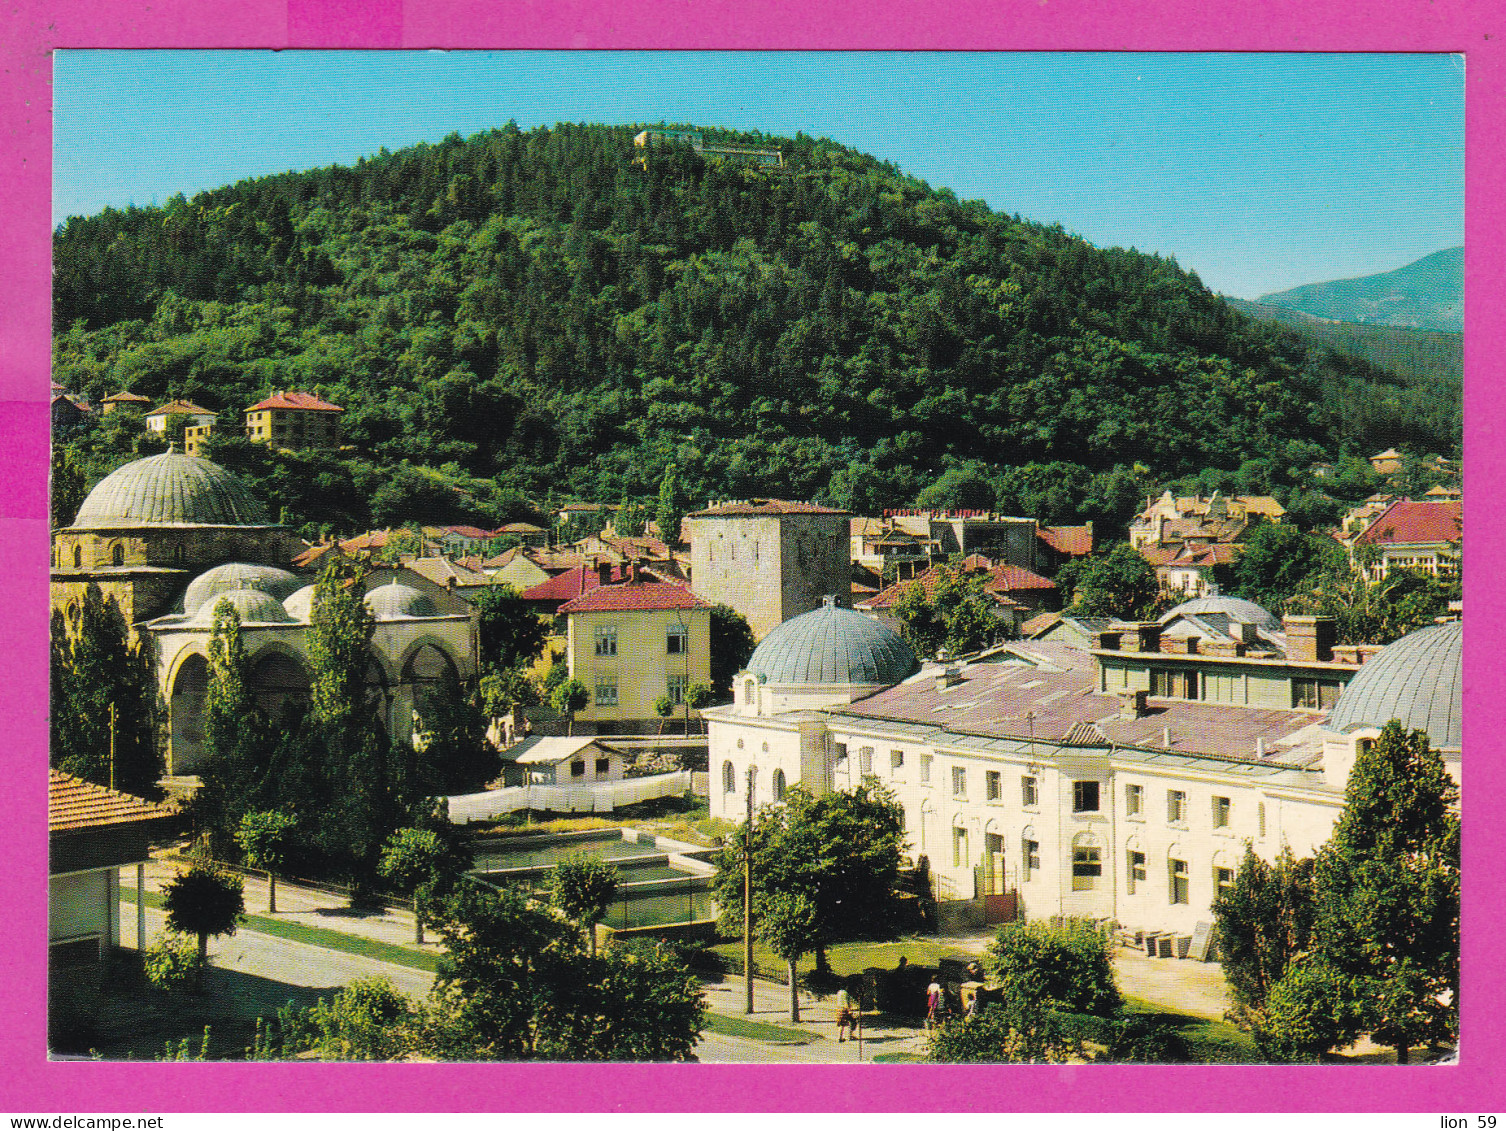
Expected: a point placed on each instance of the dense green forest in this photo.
(515, 318)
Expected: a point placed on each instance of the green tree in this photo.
(1387, 892)
(512, 635)
(732, 644)
(1263, 921)
(698, 695)
(959, 488)
(921, 623)
(1113, 582)
(103, 726)
(367, 1019)
(418, 863)
(236, 739)
(204, 901)
(958, 613)
(456, 757)
(672, 507)
(789, 924)
(664, 707)
(568, 698)
(1313, 1009)
(1064, 968)
(267, 838)
(1015, 1031)
(67, 487)
(583, 888)
(1280, 561)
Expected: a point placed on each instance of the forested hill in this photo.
(535, 315)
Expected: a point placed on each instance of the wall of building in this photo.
(770, 567)
(642, 664)
(83, 904)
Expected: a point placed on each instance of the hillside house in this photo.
(294, 421)
(1422, 534)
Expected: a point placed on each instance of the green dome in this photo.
(254, 606)
(1419, 680)
(237, 575)
(170, 489)
(833, 645)
(395, 600)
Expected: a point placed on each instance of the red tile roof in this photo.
(763, 506)
(305, 401)
(1220, 553)
(635, 597)
(74, 804)
(571, 583)
(1422, 520)
(1073, 540)
(125, 396)
(1002, 579)
(182, 408)
(467, 531)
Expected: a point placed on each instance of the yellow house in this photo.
(631, 643)
(294, 421)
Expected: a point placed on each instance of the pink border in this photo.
(34, 27)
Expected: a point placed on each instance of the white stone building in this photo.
(1076, 782)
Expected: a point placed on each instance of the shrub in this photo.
(1065, 968)
(172, 962)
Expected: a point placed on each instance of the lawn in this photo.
(757, 1030)
(320, 936)
(1211, 1042)
(846, 958)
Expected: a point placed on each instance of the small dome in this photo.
(237, 575)
(254, 606)
(395, 600)
(170, 489)
(1419, 680)
(833, 645)
(1236, 609)
(300, 606)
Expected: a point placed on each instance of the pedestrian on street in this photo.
(933, 1004)
(846, 1017)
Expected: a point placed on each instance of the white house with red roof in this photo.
(294, 421)
(631, 643)
(1421, 534)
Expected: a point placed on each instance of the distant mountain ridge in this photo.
(1425, 295)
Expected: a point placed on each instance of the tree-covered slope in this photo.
(535, 314)
(1425, 295)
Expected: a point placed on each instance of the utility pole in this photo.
(748, 898)
(112, 747)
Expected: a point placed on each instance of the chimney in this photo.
(1106, 640)
(949, 676)
(1166, 737)
(1132, 704)
(1309, 639)
(633, 572)
(1260, 748)
(603, 571)
(1141, 636)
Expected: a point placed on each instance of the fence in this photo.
(591, 797)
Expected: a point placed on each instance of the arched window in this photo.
(778, 785)
(729, 778)
(178, 554)
(750, 691)
(78, 557)
(117, 554)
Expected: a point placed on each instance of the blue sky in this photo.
(1260, 172)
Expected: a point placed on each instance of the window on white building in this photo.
(677, 640)
(779, 785)
(603, 767)
(675, 686)
(1085, 797)
(1221, 807)
(1315, 694)
(925, 767)
(1223, 880)
(960, 856)
(865, 760)
(729, 778)
(1134, 800)
(1086, 868)
(606, 691)
(1029, 797)
(577, 769)
(1179, 881)
(1136, 873)
(606, 639)
(896, 761)
(1260, 817)
(1030, 856)
(993, 787)
(959, 782)
(1176, 806)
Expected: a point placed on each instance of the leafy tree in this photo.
(367, 1019)
(457, 756)
(1263, 922)
(959, 488)
(1313, 1009)
(1113, 582)
(672, 507)
(1279, 561)
(236, 739)
(568, 698)
(664, 707)
(789, 924)
(67, 487)
(511, 634)
(583, 888)
(1064, 968)
(418, 863)
(204, 901)
(1015, 1031)
(1387, 888)
(173, 963)
(267, 839)
(841, 850)
(635, 1001)
(103, 698)
(1137, 1038)
(504, 688)
(732, 644)
(957, 614)
(699, 695)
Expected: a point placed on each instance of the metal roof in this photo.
(237, 575)
(1419, 680)
(833, 645)
(170, 489)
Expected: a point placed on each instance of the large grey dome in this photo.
(1419, 680)
(396, 600)
(300, 605)
(170, 489)
(253, 605)
(237, 575)
(833, 645)
(1235, 608)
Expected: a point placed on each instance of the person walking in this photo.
(846, 1016)
(933, 1004)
